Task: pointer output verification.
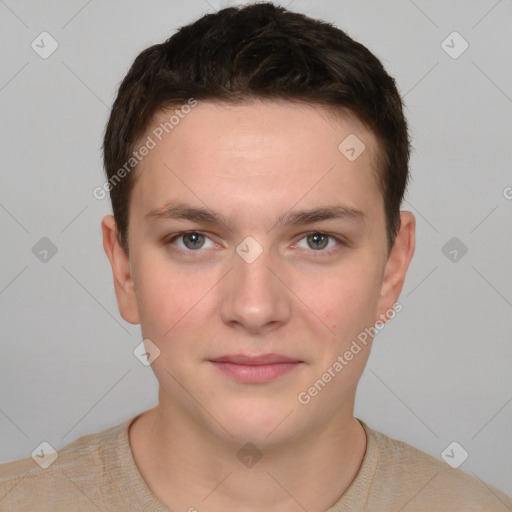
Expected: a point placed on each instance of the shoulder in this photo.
(58, 480)
(414, 480)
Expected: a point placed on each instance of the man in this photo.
(256, 163)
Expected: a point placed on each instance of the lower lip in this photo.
(255, 373)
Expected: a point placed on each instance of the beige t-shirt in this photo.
(97, 472)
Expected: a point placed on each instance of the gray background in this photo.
(439, 372)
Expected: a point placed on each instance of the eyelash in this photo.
(190, 253)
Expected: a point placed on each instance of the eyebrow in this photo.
(292, 218)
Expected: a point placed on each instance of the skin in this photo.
(252, 163)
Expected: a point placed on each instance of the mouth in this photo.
(255, 369)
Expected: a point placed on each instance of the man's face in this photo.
(260, 282)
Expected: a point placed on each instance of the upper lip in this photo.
(260, 359)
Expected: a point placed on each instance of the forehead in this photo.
(273, 153)
(281, 124)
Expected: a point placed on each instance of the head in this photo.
(280, 145)
(261, 51)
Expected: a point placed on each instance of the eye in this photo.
(190, 241)
(193, 241)
(318, 241)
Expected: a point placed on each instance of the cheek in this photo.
(172, 301)
(159, 300)
(349, 300)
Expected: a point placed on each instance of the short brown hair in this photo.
(260, 51)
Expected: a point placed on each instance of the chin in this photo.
(265, 427)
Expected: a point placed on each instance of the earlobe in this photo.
(121, 271)
(397, 264)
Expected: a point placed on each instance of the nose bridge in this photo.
(254, 298)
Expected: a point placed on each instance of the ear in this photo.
(120, 262)
(399, 258)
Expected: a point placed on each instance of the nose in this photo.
(255, 300)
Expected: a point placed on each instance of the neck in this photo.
(186, 467)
